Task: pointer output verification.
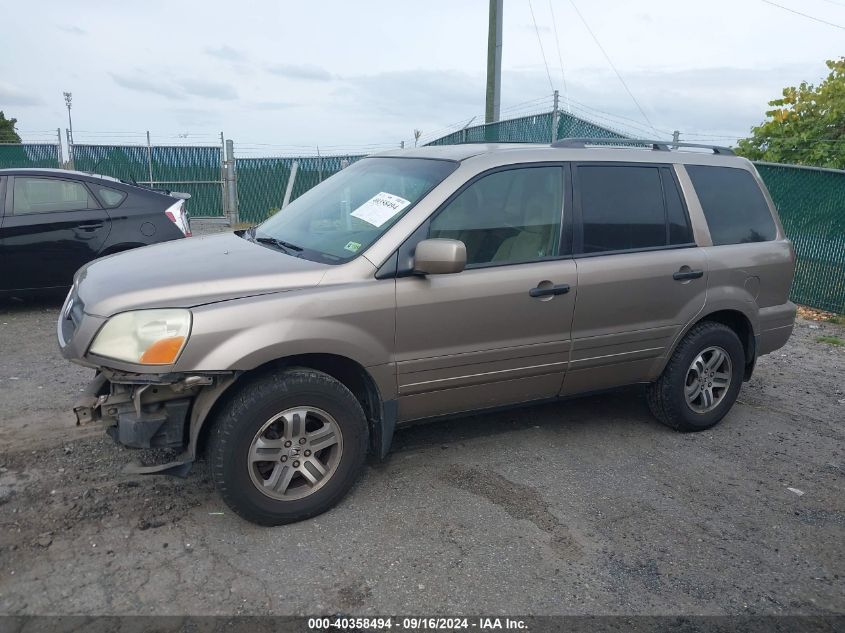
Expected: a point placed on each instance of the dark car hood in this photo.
(189, 272)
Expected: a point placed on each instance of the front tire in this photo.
(701, 381)
(287, 447)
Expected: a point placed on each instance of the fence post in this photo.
(555, 116)
(150, 158)
(231, 184)
(59, 146)
(291, 179)
(319, 165)
(69, 149)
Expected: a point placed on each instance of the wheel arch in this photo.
(738, 321)
(381, 414)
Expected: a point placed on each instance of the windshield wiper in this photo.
(280, 244)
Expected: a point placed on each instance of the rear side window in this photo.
(110, 197)
(622, 208)
(733, 204)
(45, 195)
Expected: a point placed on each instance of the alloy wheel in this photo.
(295, 453)
(708, 379)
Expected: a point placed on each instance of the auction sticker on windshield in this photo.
(380, 208)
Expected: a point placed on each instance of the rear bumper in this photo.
(776, 324)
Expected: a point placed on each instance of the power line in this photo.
(607, 57)
(804, 15)
(540, 41)
(559, 56)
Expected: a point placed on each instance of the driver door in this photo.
(497, 333)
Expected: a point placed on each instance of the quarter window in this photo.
(45, 195)
(621, 208)
(507, 217)
(733, 204)
(110, 197)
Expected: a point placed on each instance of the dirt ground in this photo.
(581, 507)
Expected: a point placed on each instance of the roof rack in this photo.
(661, 146)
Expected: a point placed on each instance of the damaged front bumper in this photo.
(151, 411)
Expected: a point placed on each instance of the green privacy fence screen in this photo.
(262, 181)
(29, 155)
(534, 128)
(811, 204)
(191, 169)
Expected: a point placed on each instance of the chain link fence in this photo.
(532, 128)
(190, 169)
(262, 182)
(41, 155)
(811, 205)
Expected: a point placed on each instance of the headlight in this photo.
(146, 337)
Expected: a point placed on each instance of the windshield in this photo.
(342, 216)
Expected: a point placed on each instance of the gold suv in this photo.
(432, 282)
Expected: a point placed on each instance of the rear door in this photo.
(51, 227)
(498, 332)
(641, 277)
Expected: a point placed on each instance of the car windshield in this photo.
(342, 216)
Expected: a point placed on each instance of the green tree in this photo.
(7, 130)
(806, 126)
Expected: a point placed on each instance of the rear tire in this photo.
(287, 446)
(691, 394)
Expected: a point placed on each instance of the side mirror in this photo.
(440, 257)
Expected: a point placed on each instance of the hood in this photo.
(189, 272)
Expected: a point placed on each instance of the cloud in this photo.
(209, 89)
(722, 101)
(306, 72)
(72, 29)
(226, 53)
(142, 85)
(14, 96)
(273, 105)
(186, 86)
(412, 95)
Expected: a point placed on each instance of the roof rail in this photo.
(661, 146)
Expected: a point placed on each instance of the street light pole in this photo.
(68, 99)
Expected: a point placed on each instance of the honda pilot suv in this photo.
(432, 282)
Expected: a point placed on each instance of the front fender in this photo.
(355, 320)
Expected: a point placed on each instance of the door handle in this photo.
(687, 274)
(91, 226)
(550, 291)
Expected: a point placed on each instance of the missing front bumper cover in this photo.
(152, 413)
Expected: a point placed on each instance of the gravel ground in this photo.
(581, 507)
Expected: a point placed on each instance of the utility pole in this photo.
(494, 62)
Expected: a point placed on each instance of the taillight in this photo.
(176, 214)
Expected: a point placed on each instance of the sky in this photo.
(285, 77)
